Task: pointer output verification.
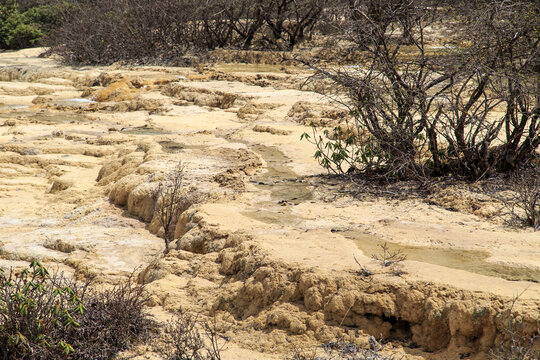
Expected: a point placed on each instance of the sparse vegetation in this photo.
(185, 341)
(363, 271)
(171, 198)
(342, 350)
(138, 31)
(525, 196)
(519, 344)
(388, 257)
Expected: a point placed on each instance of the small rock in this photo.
(29, 151)
(60, 185)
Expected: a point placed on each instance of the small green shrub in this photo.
(45, 316)
(26, 27)
(34, 309)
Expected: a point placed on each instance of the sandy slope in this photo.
(270, 250)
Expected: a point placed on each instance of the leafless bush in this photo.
(519, 345)
(140, 31)
(389, 257)
(419, 112)
(171, 199)
(128, 30)
(525, 183)
(520, 195)
(341, 350)
(184, 340)
(114, 320)
(290, 20)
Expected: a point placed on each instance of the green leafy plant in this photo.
(44, 316)
(26, 26)
(34, 309)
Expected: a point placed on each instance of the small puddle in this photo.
(144, 130)
(468, 260)
(45, 117)
(80, 102)
(169, 146)
(284, 185)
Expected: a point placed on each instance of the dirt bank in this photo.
(276, 254)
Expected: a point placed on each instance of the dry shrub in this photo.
(171, 199)
(338, 350)
(179, 31)
(184, 340)
(470, 109)
(519, 344)
(115, 319)
(138, 31)
(526, 185)
(519, 193)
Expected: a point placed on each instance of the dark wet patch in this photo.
(468, 260)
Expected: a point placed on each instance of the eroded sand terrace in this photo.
(269, 251)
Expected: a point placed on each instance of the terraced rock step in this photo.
(279, 255)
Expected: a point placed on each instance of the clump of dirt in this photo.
(64, 246)
(39, 100)
(270, 130)
(465, 199)
(235, 177)
(138, 103)
(251, 110)
(200, 97)
(314, 114)
(120, 90)
(60, 185)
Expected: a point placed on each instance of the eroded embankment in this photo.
(266, 304)
(266, 249)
